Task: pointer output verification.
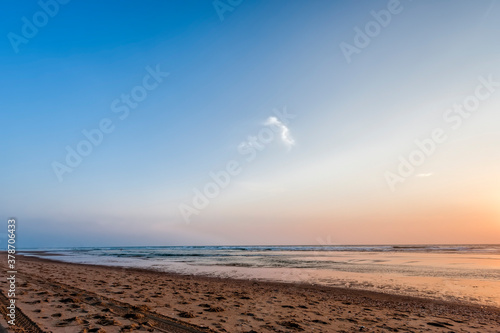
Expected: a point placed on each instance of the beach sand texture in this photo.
(66, 297)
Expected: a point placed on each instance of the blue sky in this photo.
(353, 120)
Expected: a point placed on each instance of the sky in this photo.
(250, 122)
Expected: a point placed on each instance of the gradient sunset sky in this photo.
(321, 178)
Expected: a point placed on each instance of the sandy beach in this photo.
(66, 297)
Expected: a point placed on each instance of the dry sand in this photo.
(62, 297)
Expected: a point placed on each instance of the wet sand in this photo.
(65, 297)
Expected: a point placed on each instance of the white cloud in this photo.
(425, 174)
(286, 137)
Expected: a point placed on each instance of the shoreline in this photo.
(460, 278)
(351, 291)
(224, 304)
